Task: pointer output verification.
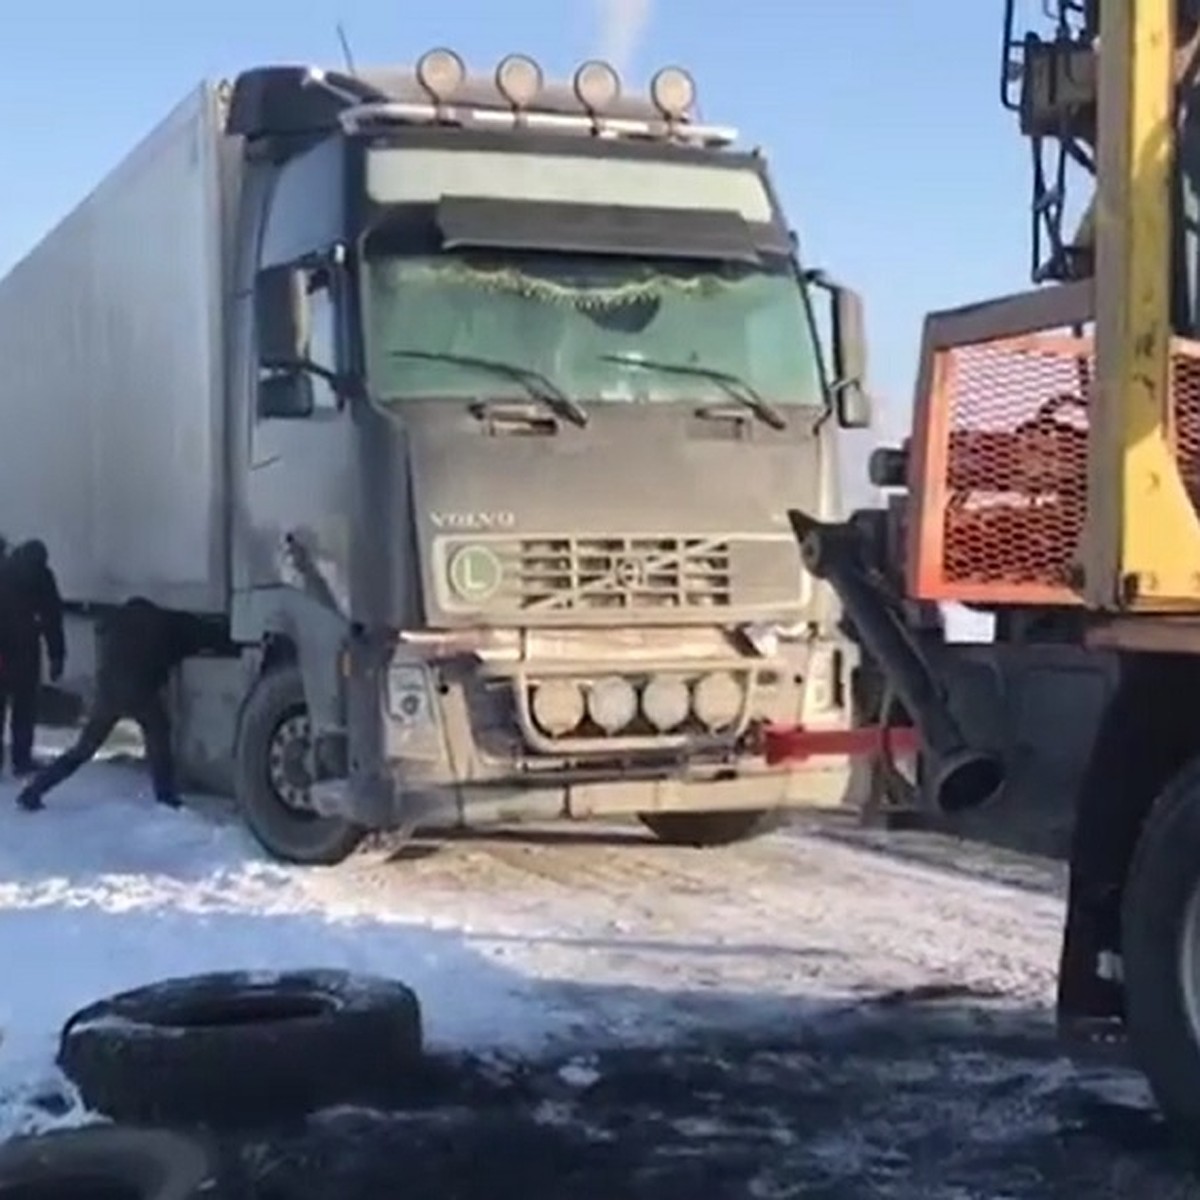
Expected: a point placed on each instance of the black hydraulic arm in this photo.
(962, 778)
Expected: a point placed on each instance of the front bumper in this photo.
(456, 738)
(386, 800)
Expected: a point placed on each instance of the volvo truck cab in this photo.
(535, 375)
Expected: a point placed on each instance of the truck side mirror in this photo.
(850, 359)
(282, 316)
(287, 396)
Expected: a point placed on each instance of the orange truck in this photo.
(1052, 477)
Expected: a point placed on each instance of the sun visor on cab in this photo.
(569, 228)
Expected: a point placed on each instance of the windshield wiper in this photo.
(535, 383)
(735, 385)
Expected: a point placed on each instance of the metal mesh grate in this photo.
(1185, 411)
(1003, 495)
(1015, 470)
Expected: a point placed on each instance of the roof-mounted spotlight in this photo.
(597, 86)
(519, 80)
(673, 91)
(441, 73)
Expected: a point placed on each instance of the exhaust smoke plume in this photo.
(622, 25)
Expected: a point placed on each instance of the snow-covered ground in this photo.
(514, 943)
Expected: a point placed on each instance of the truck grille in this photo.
(616, 574)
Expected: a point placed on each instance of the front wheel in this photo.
(1160, 950)
(272, 779)
(709, 828)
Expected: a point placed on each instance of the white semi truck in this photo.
(471, 409)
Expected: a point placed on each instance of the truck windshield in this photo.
(597, 328)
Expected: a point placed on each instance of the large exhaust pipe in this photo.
(962, 778)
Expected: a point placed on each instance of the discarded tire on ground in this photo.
(243, 1048)
(106, 1163)
(712, 828)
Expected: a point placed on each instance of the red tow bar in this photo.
(794, 743)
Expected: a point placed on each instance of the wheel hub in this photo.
(288, 764)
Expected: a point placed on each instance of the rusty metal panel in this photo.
(1184, 414)
(1003, 494)
(1000, 457)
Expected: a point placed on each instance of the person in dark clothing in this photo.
(139, 645)
(30, 615)
(1145, 738)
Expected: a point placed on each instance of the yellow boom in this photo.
(1141, 545)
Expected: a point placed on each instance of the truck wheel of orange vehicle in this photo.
(272, 780)
(710, 828)
(1161, 952)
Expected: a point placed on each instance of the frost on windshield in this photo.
(585, 323)
(584, 288)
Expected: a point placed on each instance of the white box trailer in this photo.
(112, 395)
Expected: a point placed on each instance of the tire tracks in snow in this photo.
(885, 915)
(766, 925)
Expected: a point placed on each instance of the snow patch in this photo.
(510, 947)
(579, 1074)
(105, 892)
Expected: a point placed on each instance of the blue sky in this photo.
(903, 174)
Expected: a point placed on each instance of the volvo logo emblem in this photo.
(630, 572)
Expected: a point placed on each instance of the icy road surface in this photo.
(822, 1002)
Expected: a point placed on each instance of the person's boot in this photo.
(168, 800)
(30, 800)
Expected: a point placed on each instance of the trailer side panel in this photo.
(111, 392)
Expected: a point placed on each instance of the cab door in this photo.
(298, 477)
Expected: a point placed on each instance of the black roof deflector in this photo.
(287, 101)
(595, 229)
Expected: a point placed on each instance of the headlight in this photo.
(408, 694)
(441, 73)
(557, 706)
(666, 702)
(612, 703)
(718, 700)
(597, 85)
(673, 91)
(519, 80)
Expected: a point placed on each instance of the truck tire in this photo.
(243, 1048)
(135, 1164)
(274, 725)
(1160, 950)
(710, 829)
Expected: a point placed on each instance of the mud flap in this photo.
(320, 637)
(1038, 707)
